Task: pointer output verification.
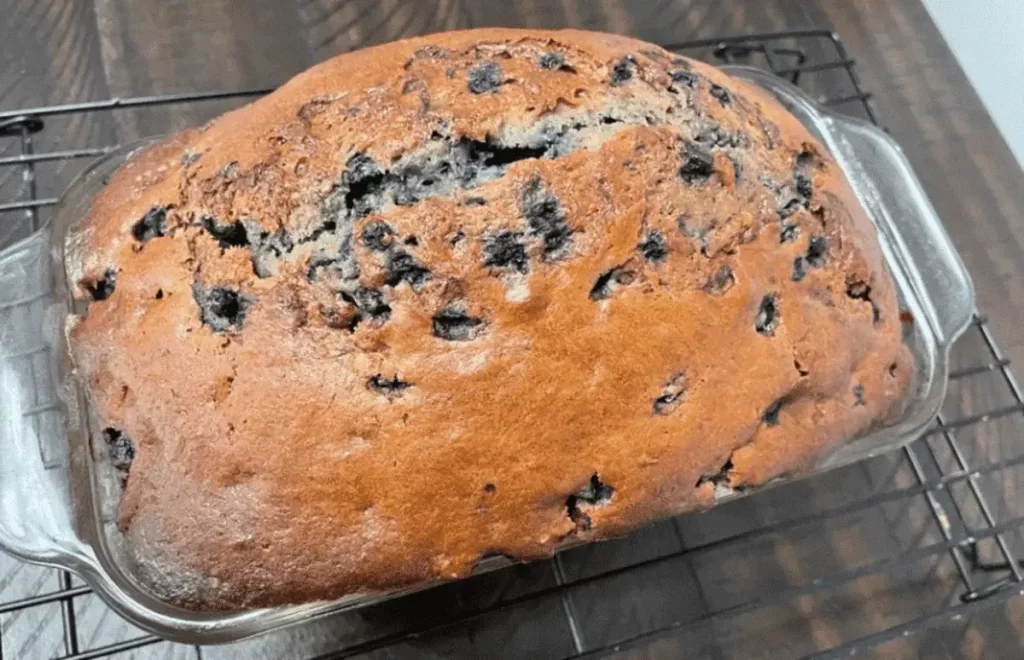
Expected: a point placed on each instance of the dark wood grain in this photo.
(49, 52)
(194, 45)
(128, 48)
(336, 26)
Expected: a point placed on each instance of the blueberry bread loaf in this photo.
(476, 293)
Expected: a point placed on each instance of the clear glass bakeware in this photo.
(58, 500)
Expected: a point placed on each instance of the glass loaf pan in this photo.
(58, 504)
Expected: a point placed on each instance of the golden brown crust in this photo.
(609, 282)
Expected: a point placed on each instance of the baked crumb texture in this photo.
(468, 294)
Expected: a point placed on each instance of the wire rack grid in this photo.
(972, 534)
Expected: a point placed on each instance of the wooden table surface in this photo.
(56, 52)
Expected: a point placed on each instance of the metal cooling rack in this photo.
(56, 616)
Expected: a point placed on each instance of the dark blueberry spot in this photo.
(403, 267)
(698, 163)
(722, 94)
(545, 218)
(816, 250)
(683, 77)
(457, 237)
(474, 201)
(720, 478)
(412, 241)
(789, 232)
(671, 395)
(378, 236)
(596, 493)
(359, 168)
(341, 264)
(317, 262)
(120, 450)
(858, 395)
(327, 227)
(229, 235)
(771, 416)
(409, 192)
(279, 242)
(803, 184)
(363, 180)
(102, 288)
(801, 175)
(369, 302)
(715, 136)
(430, 52)
(862, 291)
(581, 519)
(720, 281)
(770, 185)
(858, 290)
(708, 134)
(654, 247)
(389, 387)
(893, 368)
(791, 207)
(484, 77)
(503, 250)
(493, 154)
(152, 225)
(623, 70)
(767, 316)
(490, 488)
(799, 271)
(453, 325)
(159, 294)
(551, 61)
(221, 308)
(607, 281)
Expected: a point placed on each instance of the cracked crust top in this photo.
(467, 294)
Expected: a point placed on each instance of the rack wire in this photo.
(949, 475)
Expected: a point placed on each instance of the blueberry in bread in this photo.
(474, 293)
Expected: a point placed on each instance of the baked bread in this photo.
(475, 293)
